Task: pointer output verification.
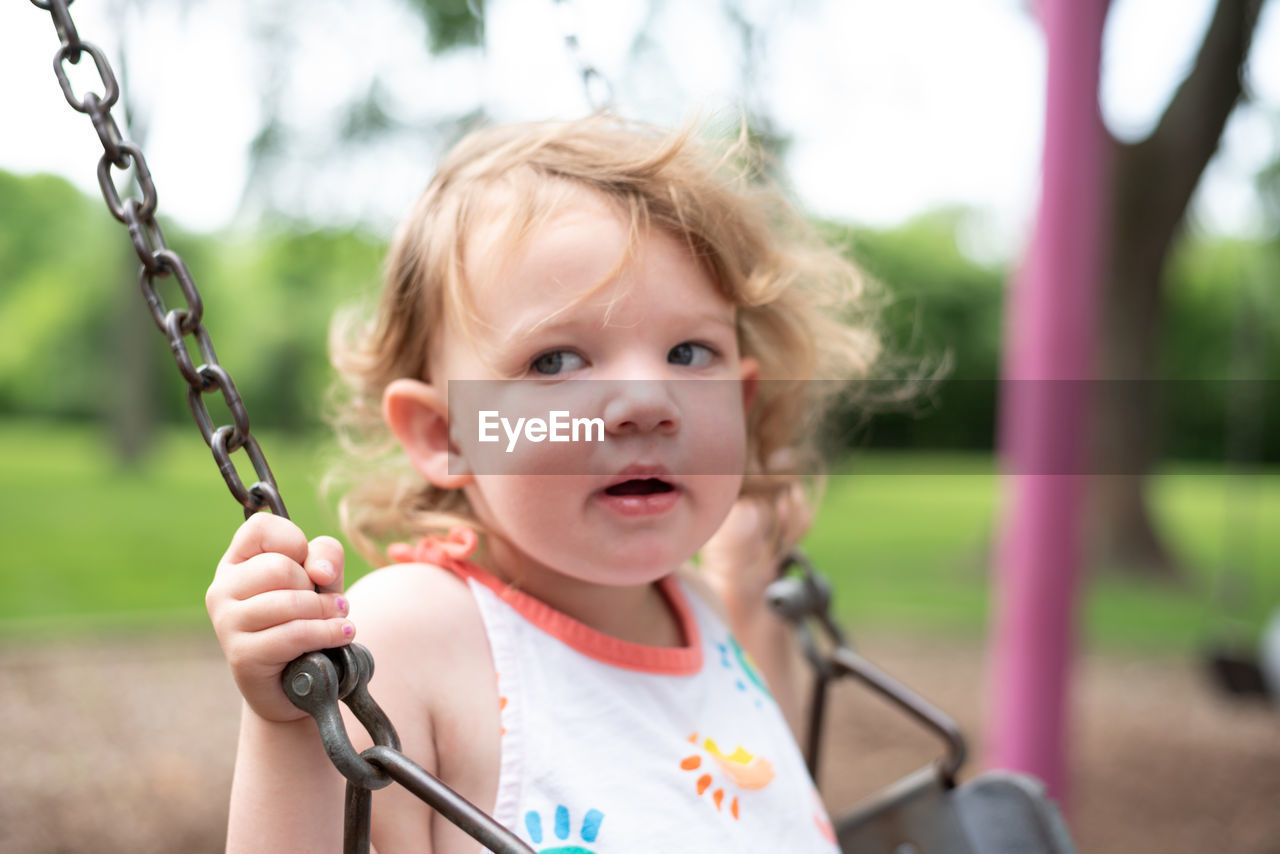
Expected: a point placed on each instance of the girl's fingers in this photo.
(324, 564)
(277, 607)
(262, 533)
(278, 645)
(743, 536)
(795, 515)
(262, 573)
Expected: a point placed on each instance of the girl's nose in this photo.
(641, 406)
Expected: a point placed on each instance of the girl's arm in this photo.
(286, 795)
(739, 562)
(423, 628)
(266, 611)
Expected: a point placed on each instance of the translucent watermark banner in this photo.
(689, 427)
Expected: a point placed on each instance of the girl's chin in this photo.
(625, 556)
(620, 569)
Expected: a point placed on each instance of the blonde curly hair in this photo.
(803, 311)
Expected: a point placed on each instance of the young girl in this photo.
(542, 643)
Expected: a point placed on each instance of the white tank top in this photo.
(611, 747)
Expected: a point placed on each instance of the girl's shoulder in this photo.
(414, 604)
(433, 674)
(389, 585)
(424, 629)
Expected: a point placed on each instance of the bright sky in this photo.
(894, 108)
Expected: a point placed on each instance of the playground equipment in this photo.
(927, 812)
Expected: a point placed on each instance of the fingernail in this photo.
(348, 629)
(341, 603)
(324, 568)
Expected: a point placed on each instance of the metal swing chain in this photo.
(317, 681)
(182, 325)
(803, 598)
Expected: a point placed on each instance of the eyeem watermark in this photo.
(556, 427)
(951, 421)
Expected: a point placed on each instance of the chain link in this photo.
(71, 51)
(142, 175)
(183, 325)
(595, 86)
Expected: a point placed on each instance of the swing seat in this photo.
(997, 812)
(1236, 671)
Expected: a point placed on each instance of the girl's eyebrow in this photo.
(569, 322)
(724, 318)
(542, 326)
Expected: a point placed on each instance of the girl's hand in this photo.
(741, 558)
(266, 610)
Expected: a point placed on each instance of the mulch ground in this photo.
(127, 746)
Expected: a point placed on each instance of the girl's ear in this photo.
(749, 372)
(419, 419)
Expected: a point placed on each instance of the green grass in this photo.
(911, 551)
(907, 549)
(89, 546)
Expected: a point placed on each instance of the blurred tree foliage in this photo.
(1223, 349)
(268, 299)
(942, 311)
(450, 23)
(1218, 371)
(270, 295)
(53, 246)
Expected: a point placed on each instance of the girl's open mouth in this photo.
(639, 497)
(640, 486)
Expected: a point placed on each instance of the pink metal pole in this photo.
(1049, 348)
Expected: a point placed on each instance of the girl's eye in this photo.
(556, 362)
(691, 355)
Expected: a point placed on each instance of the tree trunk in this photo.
(131, 377)
(132, 403)
(1152, 183)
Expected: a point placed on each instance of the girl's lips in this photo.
(638, 472)
(640, 486)
(640, 490)
(640, 503)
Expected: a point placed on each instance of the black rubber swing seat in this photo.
(997, 812)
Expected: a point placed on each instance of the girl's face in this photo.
(647, 364)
